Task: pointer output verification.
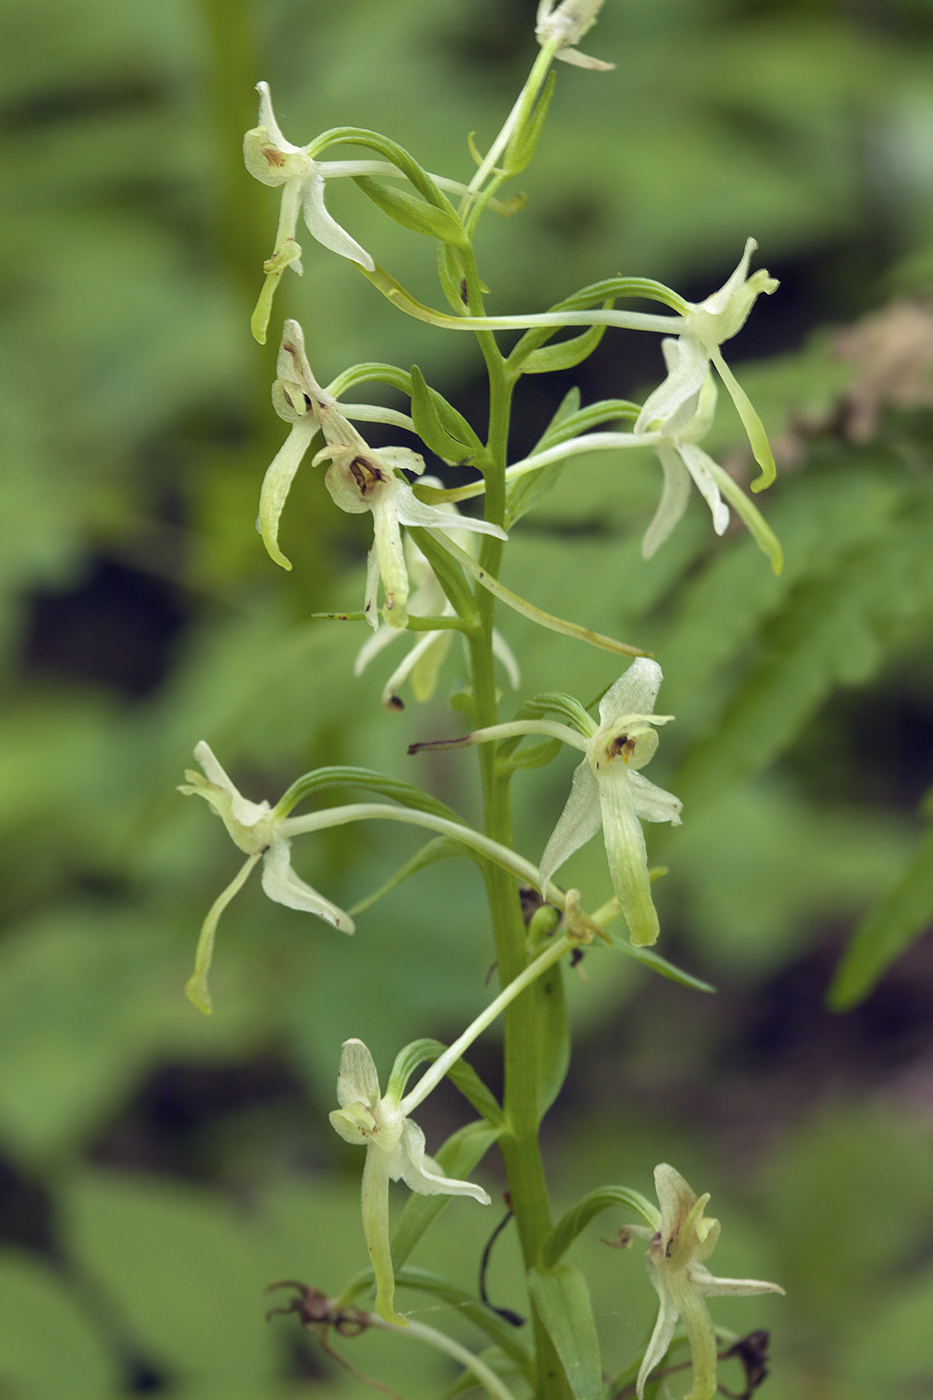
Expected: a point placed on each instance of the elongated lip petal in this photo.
(283, 886)
(625, 851)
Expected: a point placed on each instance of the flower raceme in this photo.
(359, 479)
(680, 1238)
(607, 789)
(257, 830)
(394, 1151)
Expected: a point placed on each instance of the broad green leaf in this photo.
(49, 1347)
(562, 1299)
(440, 428)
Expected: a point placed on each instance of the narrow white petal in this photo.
(357, 1080)
(712, 1287)
(634, 693)
(652, 803)
(696, 461)
(680, 385)
(673, 503)
(283, 886)
(421, 1174)
(371, 596)
(411, 511)
(663, 1329)
(578, 822)
(325, 228)
(391, 556)
(277, 483)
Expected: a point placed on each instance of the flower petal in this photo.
(634, 693)
(578, 821)
(325, 228)
(625, 850)
(674, 498)
(411, 511)
(196, 989)
(652, 803)
(712, 1287)
(283, 886)
(697, 463)
(663, 1327)
(422, 1174)
(357, 1079)
(684, 380)
(277, 482)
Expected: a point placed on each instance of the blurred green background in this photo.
(157, 1169)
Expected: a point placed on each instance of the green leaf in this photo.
(414, 213)
(523, 144)
(592, 1204)
(48, 1347)
(499, 1362)
(562, 1299)
(897, 920)
(552, 1035)
(457, 1158)
(438, 423)
(185, 1273)
(566, 354)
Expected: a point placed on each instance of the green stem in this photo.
(519, 1144)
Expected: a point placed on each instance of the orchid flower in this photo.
(706, 325)
(394, 1151)
(607, 790)
(257, 830)
(359, 479)
(425, 658)
(681, 1239)
(561, 25)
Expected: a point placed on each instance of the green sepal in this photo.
(521, 148)
(426, 1051)
(414, 214)
(562, 1299)
(440, 848)
(438, 423)
(456, 1158)
(535, 756)
(896, 921)
(575, 1220)
(322, 779)
(566, 354)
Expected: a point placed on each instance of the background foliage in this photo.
(159, 1169)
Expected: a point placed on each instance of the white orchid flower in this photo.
(607, 790)
(681, 1239)
(706, 325)
(562, 25)
(359, 479)
(394, 1151)
(257, 830)
(424, 659)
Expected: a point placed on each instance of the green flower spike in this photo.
(683, 1238)
(359, 479)
(706, 325)
(561, 26)
(256, 830)
(394, 1151)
